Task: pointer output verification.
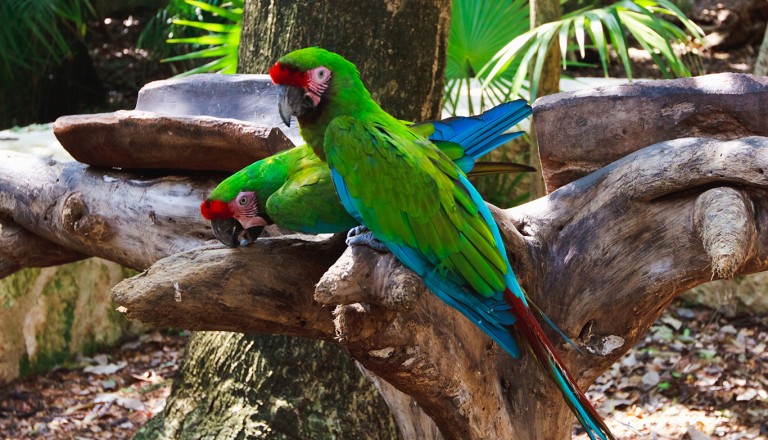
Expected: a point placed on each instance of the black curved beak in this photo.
(232, 234)
(292, 101)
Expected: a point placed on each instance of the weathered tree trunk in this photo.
(544, 11)
(609, 245)
(273, 383)
(569, 253)
(398, 46)
(320, 394)
(761, 65)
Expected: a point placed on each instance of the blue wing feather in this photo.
(481, 133)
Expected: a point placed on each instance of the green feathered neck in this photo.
(346, 96)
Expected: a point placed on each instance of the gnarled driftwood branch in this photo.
(610, 244)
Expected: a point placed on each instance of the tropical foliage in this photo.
(220, 24)
(490, 43)
(37, 34)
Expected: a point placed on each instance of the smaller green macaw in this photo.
(294, 189)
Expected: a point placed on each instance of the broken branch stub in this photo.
(725, 221)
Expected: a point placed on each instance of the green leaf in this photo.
(595, 30)
(215, 51)
(211, 27)
(235, 14)
(205, 39)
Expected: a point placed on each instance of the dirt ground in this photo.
(697, 375)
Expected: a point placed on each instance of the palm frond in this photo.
(37, 34)
(224, 38)
(638, 18)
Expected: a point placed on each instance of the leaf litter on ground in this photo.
(107, 396)
(696, 375)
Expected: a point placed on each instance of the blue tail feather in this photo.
(482, 133)
(480, 138)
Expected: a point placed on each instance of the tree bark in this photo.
(398, 46)
(408, 33)
(20, 249)
(281, 376)
(610, 244)
(761, 65)
(544, 11)
(622, 241)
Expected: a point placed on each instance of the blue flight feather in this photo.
(482, 133)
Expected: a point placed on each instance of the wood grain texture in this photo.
(398, 46)
(580, 132)
(128, 218)
(621, 242)
(20, 249)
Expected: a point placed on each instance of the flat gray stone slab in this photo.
(201, 122)
(580, 132)
(251, 98)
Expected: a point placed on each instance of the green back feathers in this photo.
(263, 177)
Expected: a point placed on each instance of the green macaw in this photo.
(419, 204)
(294, 189)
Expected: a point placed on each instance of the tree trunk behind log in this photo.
(761, 65)
(398, 46)
(329, 399)
(544, 11)
(273, 380)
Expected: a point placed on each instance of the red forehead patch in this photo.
(215, 209)
(288, 76)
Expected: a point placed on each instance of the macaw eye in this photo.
(321, 74)
(243, 200)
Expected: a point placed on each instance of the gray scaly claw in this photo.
(361, 236)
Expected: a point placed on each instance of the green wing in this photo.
(408, 193)
(307, 202)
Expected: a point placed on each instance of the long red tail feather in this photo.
(546, 355)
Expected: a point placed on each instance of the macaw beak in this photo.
(292, 101)
(232, 234)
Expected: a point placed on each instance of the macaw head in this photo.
(308, 79)
(236, 211)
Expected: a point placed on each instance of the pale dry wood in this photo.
(622, 241)
(124, 217)
(243, 289)
(20, 249)
(611, 244)
(580, 132)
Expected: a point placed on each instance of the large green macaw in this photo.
(294, 189)
(419, 204)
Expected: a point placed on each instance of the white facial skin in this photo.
(319, 78)
(246, 210)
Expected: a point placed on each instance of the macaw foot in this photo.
(361, 236)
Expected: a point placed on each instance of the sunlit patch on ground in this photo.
(696, 375)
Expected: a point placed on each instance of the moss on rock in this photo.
(50, 314)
